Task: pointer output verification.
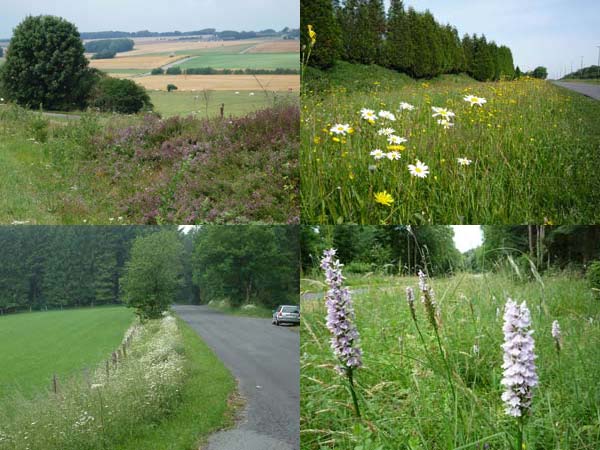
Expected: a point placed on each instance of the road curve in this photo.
(591, 90)
(266, 361)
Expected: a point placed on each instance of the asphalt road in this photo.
(266, 361)
(591, 90)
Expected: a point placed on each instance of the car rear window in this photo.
(290, 309)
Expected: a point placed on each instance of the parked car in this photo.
(286, 314)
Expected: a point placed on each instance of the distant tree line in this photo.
(384, 249)
(49, 267)
(582, 74)
(1, 52)
(176, 70)
(225, 35)
(113, 45)
(361, 32)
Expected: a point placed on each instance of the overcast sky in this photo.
(467, 237)
(156, 15)
(550, 33)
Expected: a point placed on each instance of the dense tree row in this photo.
(360, 31)
(389, 249)
(582, 74)
(540, 245)
(113, 45)
(146, 267)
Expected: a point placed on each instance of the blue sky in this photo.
(550, 33)
(156, 15)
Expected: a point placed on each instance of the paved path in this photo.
(266, 361)
(591, 90)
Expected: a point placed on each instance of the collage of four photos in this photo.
(299, 225)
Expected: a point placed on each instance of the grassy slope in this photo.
(205, 405)
(244, 61)
(403, 388)
(184, 103)
(528, 144)
(578, 80)
(34, 346)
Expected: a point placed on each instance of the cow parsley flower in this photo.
(519, 368)
(340, 315)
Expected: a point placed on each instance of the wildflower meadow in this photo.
(466, 361)
(448, 150)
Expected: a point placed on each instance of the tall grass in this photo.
(533, 149)
(406, 385)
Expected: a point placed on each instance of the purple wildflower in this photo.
(428, 299)
(340, 316)
(410, 299)
(519, 368)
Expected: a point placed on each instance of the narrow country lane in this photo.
(591, 90)
(266, 361)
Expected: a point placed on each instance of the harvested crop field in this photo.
(221, 82)
(157, 46)
(283, 46)
(126, 61)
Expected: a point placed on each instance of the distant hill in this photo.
(585, 73)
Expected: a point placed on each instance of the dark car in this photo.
(286, 314)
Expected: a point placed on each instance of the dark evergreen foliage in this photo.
(320, 14)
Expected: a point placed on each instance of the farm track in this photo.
(265, 359)
(589, 90)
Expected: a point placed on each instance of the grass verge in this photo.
(256, 311)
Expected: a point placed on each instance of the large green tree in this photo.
(320, 15)
(153, 275)
(45, 65)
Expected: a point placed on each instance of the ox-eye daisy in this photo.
(464, 161)
(407, 106)
(474, 100)
(368, 114)
(418, 170)
(341, 128)
(386, 115)
(443, 112)
(445, 123)
(377, 154)
(395, 140)
(386, 132)
(393, 156)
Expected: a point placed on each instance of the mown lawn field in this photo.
(244, 61)
(404, 390)
(532, 153)
(183, 103)
(35, 346)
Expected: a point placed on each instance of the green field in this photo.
(244, 61)
(531, 151)
(183, 103)
(126, 71)
(404, 390)
(34, 346)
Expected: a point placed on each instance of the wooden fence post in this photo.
(222, 109)
(55, 384)
(107, 369)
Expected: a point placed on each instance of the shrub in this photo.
(171, 87)
(104, 54)
(174, 70)
(122, 96)
(157, 71)
(39, 128)
(358, 267)
(57, 69)
(593, 274)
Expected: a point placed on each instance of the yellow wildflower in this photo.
(384, 198)
(312, 35)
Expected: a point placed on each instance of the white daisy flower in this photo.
(393, 156)
(386, 132)
(473, 100)
(443, 112)
(368, 114)
(386, 115)
(340, 128)
(464, 161)
(377, 154)
(395, 140)
(445, 123)
(405, 106)
(418, 170)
